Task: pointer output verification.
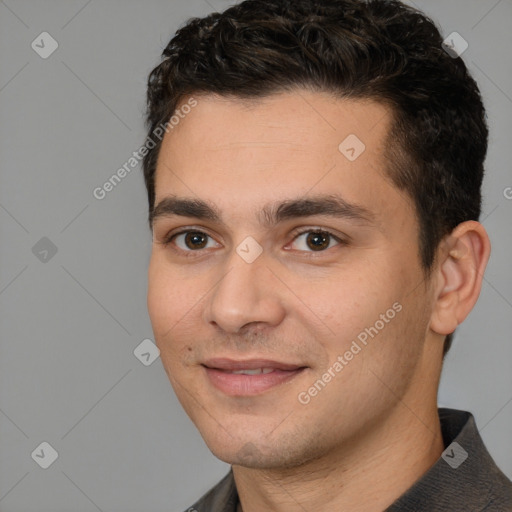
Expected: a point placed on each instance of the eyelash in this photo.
(190, 253)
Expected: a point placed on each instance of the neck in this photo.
(366, 476)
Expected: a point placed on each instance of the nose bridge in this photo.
(247, 293)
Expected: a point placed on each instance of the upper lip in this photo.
(222, 363)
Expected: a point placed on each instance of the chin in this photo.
(260, 454)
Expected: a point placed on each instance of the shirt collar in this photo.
(465, 477)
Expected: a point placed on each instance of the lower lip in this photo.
(235, 384)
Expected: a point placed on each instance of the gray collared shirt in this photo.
(465, 478)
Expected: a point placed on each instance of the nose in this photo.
(248, 293)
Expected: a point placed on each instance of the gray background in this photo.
(69, 325)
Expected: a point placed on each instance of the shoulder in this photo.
(464, 478)
(499, 492)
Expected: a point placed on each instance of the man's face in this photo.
(254, 290)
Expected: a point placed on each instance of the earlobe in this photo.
(462, 256)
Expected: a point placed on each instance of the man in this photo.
(314, 204)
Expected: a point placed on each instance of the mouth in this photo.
(249, 377)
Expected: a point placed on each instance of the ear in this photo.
(462, 258)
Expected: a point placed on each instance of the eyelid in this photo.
(169, 237)
(166, 239)
(308, 229)
(341, 240)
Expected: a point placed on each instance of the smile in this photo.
(249, 377)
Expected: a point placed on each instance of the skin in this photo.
(373, 430)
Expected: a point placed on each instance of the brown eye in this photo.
(315, 240)
(195, 239)
(190, 241)
(318, 241)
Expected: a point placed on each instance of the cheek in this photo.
(369, 310)
(165, 301)
(348, 300)
(173, 306)
(160, 301)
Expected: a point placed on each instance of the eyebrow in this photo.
(271, 214)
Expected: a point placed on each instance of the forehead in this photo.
(304, 119)
(242, 152)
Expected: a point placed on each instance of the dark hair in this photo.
(375, 49)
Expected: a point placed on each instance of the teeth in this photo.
(255, 371)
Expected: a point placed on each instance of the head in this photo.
(269, 96)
